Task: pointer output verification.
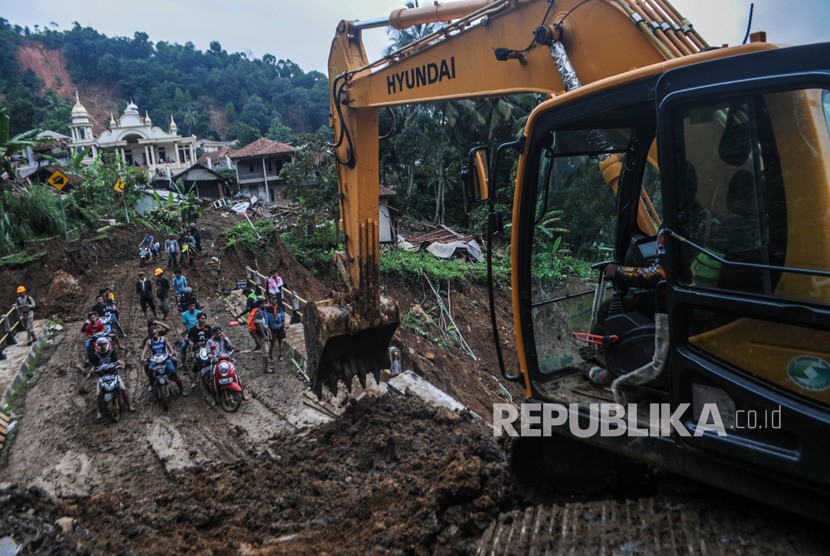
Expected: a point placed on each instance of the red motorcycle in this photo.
(224, 384)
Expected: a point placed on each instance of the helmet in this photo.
(223, 368)
(21, 289)
(158, 272)
(103, 344)
(192, 225)
(188, 290)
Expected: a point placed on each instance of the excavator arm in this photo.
(485, 48)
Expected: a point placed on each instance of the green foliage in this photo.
(407, 266)
(278, 131)
(164, 217)
(151, 74)
(311, 179)
(97, 194)
(312, 244)
(9, 145)
(242, 234)
(22, 258)
(26, 214)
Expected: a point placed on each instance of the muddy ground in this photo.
(391, 475)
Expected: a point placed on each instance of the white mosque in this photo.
(135, 140)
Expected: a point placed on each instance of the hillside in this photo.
(210, 94)
(49, 65)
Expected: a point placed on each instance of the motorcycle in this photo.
(187, 255)
(185, 298)
(201, 360)
(144, 255)
(110, 399)
(154, 252)
(223, 382)
(161, 381)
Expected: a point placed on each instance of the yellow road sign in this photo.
(57, 180)
(119, 185)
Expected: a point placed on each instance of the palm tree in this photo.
(399, 38)
(190, 118)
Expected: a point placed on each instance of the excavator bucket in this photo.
(344, 341)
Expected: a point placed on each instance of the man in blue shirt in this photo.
(190, 318)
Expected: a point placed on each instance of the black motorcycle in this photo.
(110, 399)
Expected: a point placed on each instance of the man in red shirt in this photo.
(90, 328)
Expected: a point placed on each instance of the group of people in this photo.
(266, 321)
(181, 249)
(163, 288)
(101, 331)
(266, 317)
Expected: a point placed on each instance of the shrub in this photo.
(244, 235)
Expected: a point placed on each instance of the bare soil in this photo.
(391, 475)
(50, 66)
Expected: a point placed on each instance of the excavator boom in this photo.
(485, 48)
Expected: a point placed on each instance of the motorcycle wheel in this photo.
(114, 409)
(163, 393)
(230, 400)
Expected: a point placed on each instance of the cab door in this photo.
(745, 161)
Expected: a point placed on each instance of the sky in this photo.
(301, 30)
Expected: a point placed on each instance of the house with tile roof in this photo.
(258, 168)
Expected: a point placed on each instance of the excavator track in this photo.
(673, 524)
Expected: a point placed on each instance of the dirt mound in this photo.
(32, 520)
(392, 474)
(74, 272)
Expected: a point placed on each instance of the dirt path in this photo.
(391, 475)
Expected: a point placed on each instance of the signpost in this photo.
(119, 186)
(58, 180)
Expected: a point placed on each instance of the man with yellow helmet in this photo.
(26, 305)
(162, 292)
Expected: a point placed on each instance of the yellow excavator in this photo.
(724, 150)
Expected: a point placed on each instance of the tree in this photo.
(278, 131)
(190, 118)
(400, 38)
(244, 134)
(10, 145)
(255, 114)
(311, 178)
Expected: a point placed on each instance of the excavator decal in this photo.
(421, 76)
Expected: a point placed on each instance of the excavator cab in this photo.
(741, 190)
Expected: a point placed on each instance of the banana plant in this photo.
(11, 145)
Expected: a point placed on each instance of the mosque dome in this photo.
(78, 110)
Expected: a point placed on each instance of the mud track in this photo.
(391, 475)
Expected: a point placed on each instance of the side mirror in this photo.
(476, 176)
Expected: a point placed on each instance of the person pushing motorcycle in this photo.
(158, 345)
(219, 345)
(103, 354)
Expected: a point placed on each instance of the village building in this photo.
(205, 183)
(135, 140)
(217, 159)
(258, 166)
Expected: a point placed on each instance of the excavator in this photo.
(712, 159)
